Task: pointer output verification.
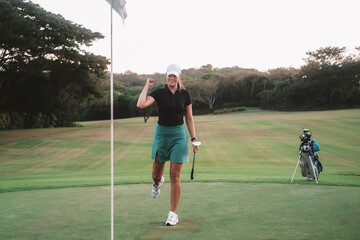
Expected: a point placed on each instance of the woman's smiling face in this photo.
(172, 80)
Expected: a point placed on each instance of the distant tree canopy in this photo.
(42, 69)
(330, 79)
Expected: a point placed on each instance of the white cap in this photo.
(173, 69)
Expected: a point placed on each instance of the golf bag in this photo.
(309, 161)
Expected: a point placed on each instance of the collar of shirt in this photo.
(167, 88)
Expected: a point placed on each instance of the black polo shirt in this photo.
(171, 106)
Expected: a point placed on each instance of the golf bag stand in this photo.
(307, 166)
(296, 167)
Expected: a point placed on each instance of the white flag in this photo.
(119, 7)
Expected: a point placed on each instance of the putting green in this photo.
(206, 211)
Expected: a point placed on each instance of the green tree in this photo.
(42, 66)
(334, 75)
(277, 88)
(328, 56)
(206, 92)
(330, 79)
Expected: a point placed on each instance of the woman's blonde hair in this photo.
(180, 84)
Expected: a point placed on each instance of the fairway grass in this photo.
(54, 183)
(206, 211)
(250, 146)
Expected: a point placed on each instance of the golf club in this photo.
(196, 144)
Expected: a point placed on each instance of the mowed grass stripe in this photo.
(249, 146)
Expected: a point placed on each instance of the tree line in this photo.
(329, 79)
(46, 80)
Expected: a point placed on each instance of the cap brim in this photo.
(177, 74)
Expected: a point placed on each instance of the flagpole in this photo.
(112, 126)
(120, 9)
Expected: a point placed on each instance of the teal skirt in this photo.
(170, 143)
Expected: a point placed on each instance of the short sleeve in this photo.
(155, 94)
(187, 98)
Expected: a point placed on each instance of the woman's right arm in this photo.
(145, 101)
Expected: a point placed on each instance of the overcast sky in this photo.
(260, 34)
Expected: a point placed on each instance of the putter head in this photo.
(196, 144)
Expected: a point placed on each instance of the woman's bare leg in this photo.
(157, 171)
(175, 171)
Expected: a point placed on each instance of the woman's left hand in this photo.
(195, 148)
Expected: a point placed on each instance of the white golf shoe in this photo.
(156, 188)
(172, 219)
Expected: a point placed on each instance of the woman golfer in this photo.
(170, 141)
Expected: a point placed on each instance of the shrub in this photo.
(227, 110)
(4, 120)
(16, 120)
